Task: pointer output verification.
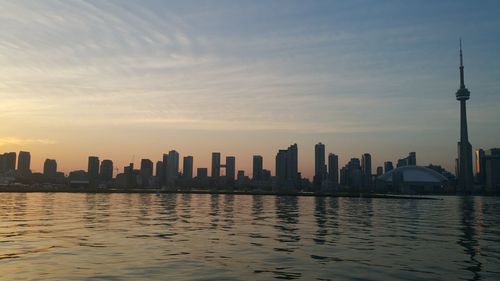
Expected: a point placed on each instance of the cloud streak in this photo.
(25, 141)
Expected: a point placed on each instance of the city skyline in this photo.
(121, 80)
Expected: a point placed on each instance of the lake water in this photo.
(65, 236)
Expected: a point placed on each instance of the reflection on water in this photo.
(213, 237)
(468, 237)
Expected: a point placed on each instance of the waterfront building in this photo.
(411, 179)
(319, 164)
(146, 172)
(380, 171)
(241, 175)
(163, 179)
(333, 168)
(281, 165)
(480, 166)
(351, 175)
(292, 161)
(388, 166)
(7, 162)
(93, 168)
(202, 173)
(160, 173)
(230, 168)
(287, 174)
(50, 168)
(172, 171)
(187, 167)
(410, 160)
(464, 167)
(257, 168)
(492, 170)
(106, 170)
(215, 165)
(23, 164)
(366, 170)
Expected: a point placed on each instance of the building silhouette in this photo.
(187, 167)
(215, 165)
(230, 168)
(23, 164)
(319, 164)
(106, 170)
(464, 164)
(93, 168)
(7, 162)
(410, 160)
(388, 166)
(492, 170)
(160, 173)
(287, 166)
(257, 168)
(333, 168)
(50, 168)
(480, 166)
(202, 173)
(281, 165)
(350, 174)
(380, 171)
(163, 179)
(172, 167)
(146, 172)
(366, 170)
(292, 161)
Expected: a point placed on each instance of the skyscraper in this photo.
(366, 170)
(160, 173)
(23, 164)
(412, 159)
(93, 168)
(480, 166)
(281, 164)
(8, 162)
(187, 167)
(146, 172)
(333, 168)
(215, 165)
(163, 179)
(287, 165)
(257, 167)
(230, 168)
(172, 167)
(464, 177)
(292, 161)
(106, 170)
(492, 170)
(319, 163)
(388, 166)
(50, 168)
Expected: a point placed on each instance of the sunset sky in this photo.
(126, 80)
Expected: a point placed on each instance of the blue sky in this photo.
(123, 78)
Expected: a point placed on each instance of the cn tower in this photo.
(465, 180)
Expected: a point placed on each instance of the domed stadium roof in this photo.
(414, 174)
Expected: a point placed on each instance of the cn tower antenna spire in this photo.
(461, 59)
(462, 83)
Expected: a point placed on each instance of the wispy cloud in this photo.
(24, 141)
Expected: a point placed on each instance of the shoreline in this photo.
(215, 192)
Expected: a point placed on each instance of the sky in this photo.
(126, 80)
